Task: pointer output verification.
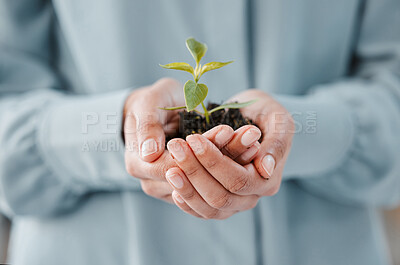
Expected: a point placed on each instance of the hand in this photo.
(145, 127)
(223, 187)
(222, 137)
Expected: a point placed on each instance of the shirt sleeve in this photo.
(347, 145)
(55, 147)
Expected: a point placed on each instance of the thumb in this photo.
(150, 136)
(276, 143)
(148, 120)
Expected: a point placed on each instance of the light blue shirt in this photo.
(334, 64)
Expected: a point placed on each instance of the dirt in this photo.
(192, 122)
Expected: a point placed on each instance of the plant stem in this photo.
(198, 112)
(196, 71)
(206, 113)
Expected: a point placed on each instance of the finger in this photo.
(243, 139)
(266, 187)
(183, 187)
(249, 154)
(157, 189)
(276, 143)
(232, 176)
(220, 135)
(144, 121)
(197, 181)
(183, 205)
(186, 208)
(156, 170)
(150, 136)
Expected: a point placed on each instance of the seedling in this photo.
(194, 92)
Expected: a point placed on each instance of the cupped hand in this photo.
(221, 137)
(145, 129)
(208, 184)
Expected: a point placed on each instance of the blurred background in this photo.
(392, 223)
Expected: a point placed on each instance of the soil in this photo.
(192, 122)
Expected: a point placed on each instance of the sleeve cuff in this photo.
(81, 139)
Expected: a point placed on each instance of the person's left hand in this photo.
(212, 185)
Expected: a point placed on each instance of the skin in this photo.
(213, 175)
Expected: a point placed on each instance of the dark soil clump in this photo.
(192, 122)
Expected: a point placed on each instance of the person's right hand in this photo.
(145, 129)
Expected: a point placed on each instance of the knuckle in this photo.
(166, 85)
(229, 152)
(145, 125)
(221, 202)
(210, 163)
(130, 168)
(225, 215)
(188, 195)
(212, 214)
(253, 203)
(184, 207)
(278, 146)
(225, 128)
(167, 81)
(240, 184)
(273, 190)
(192, 171)
(148, 188)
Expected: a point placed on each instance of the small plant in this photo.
(195, 93)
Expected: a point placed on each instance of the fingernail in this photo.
(195, 144)
(178, 197)
(268, 163)
(250, 136)
(175, 180)
(222, 136)
(177, 151)
(249, 153)
(149, 147)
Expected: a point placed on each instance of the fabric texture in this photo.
(66, 68)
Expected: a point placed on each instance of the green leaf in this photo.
(197, 49)
(194, 94)
(173, 108)
(233, 105)
(179, 66)
(213, 66)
